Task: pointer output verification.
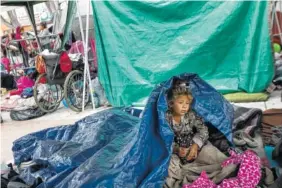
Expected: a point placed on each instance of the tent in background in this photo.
(139, 44)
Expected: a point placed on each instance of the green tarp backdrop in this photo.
(140, 44)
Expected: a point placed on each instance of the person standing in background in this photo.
(23, 46)
(44, 36)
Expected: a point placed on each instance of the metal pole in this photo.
(88, 70)
(83, 41)
(84, 58)
(86, 65)
(54, 22)
(80, 23)
(272, 15)
(280, 2)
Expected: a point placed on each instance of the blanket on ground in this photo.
(208, 160)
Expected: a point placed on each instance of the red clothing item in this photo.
(18, 37)
(16, 92)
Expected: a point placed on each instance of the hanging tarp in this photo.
(72, 7)
(114, 149)
(141, 43)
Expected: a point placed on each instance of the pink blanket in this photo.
(248, 176)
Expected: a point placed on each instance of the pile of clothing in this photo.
(211, 169)
(249, 173)
(20, 101)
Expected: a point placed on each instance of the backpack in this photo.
(65, 63)
(40, 64)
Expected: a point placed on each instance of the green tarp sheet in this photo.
(72, 7)
(140, 44)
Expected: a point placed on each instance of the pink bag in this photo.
(77, 47)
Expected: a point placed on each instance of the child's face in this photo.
(181, 105)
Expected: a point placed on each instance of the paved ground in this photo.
(12, 130)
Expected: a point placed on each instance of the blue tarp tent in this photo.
(114, 149)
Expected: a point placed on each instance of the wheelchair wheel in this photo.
(48, 97)
(73, 91)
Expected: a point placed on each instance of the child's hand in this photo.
(193, 152)
(183, 152)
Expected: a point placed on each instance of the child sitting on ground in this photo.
(189, 129)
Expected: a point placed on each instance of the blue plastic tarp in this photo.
(113, 148)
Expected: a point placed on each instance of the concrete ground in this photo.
(12, 130)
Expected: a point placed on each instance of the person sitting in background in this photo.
(7, 80)
(23, 46)
(44, 36)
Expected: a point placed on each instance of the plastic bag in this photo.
(99, 91)
(22, 115)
